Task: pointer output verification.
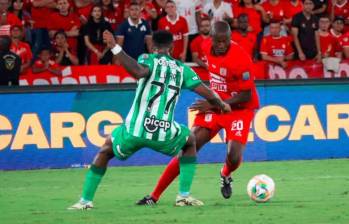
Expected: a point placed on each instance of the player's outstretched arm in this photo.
(211, 97)
(136, 70)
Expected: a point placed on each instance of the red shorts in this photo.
(236, 124)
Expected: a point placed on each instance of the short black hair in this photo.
(5, 43)
(45, 48)
(60, 32)
(339, 18)
(162, 38)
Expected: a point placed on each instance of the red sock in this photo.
(228, 167)
(170, 173)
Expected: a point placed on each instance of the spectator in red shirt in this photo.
(83, 8)
(178, 26)
(244, 38)
(113, 13)
(326, 42)
(337, 27)
(44, 63)
(17, 8)
(67, 20)
(340, 8)
(275, 48)
(275, 10)
(196, 45)
(41, 10)
(292, 7)
(255, 12)
(21, 48)
(7, 19)
(337, 32)
(62, 52)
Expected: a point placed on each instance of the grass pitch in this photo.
(306, 192)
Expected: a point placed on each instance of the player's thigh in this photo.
(237, 125)
(175, 145)
(205, 127)
(124, 145)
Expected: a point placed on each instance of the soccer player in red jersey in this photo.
(276, 48)
(197, 52)
(231, 78)
(178, 26)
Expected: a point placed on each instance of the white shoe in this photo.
(82, 205)
(188, 201)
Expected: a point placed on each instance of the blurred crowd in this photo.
(46, 34)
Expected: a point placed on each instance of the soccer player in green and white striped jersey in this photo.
(150, 122)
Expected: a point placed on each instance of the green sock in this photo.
(187, 165)
(93, 178)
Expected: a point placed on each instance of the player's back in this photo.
(152, 112)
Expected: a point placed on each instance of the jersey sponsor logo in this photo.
(152, 124)
(219, 87)
(278, 52)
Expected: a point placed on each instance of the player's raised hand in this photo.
(109, 39)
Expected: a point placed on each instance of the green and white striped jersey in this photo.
(152, 112)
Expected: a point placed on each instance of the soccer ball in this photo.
(261, 188)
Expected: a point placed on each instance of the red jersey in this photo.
(196, 47)
(338, 38)
(114, 17)
(344, 40)
(327, 44)
(291, 9)
(340, 10)
(231, 74)
(276, 12)
(254, 18)
(66, 23)
(40, 16)
(179, 29)
(23, 50)
(276, 46)
(85, 11)
(52, 64)
(246, 42)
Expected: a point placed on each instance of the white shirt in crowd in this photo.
(218, 14)
(187, 9)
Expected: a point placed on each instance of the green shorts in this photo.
(125, 144)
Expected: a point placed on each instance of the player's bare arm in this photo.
(133, 68)
(212, 98)
(242, 97)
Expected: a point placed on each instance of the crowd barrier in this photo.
(297, 120)
(103, 74)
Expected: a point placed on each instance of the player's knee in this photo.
(191, 140)
(106, 150)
